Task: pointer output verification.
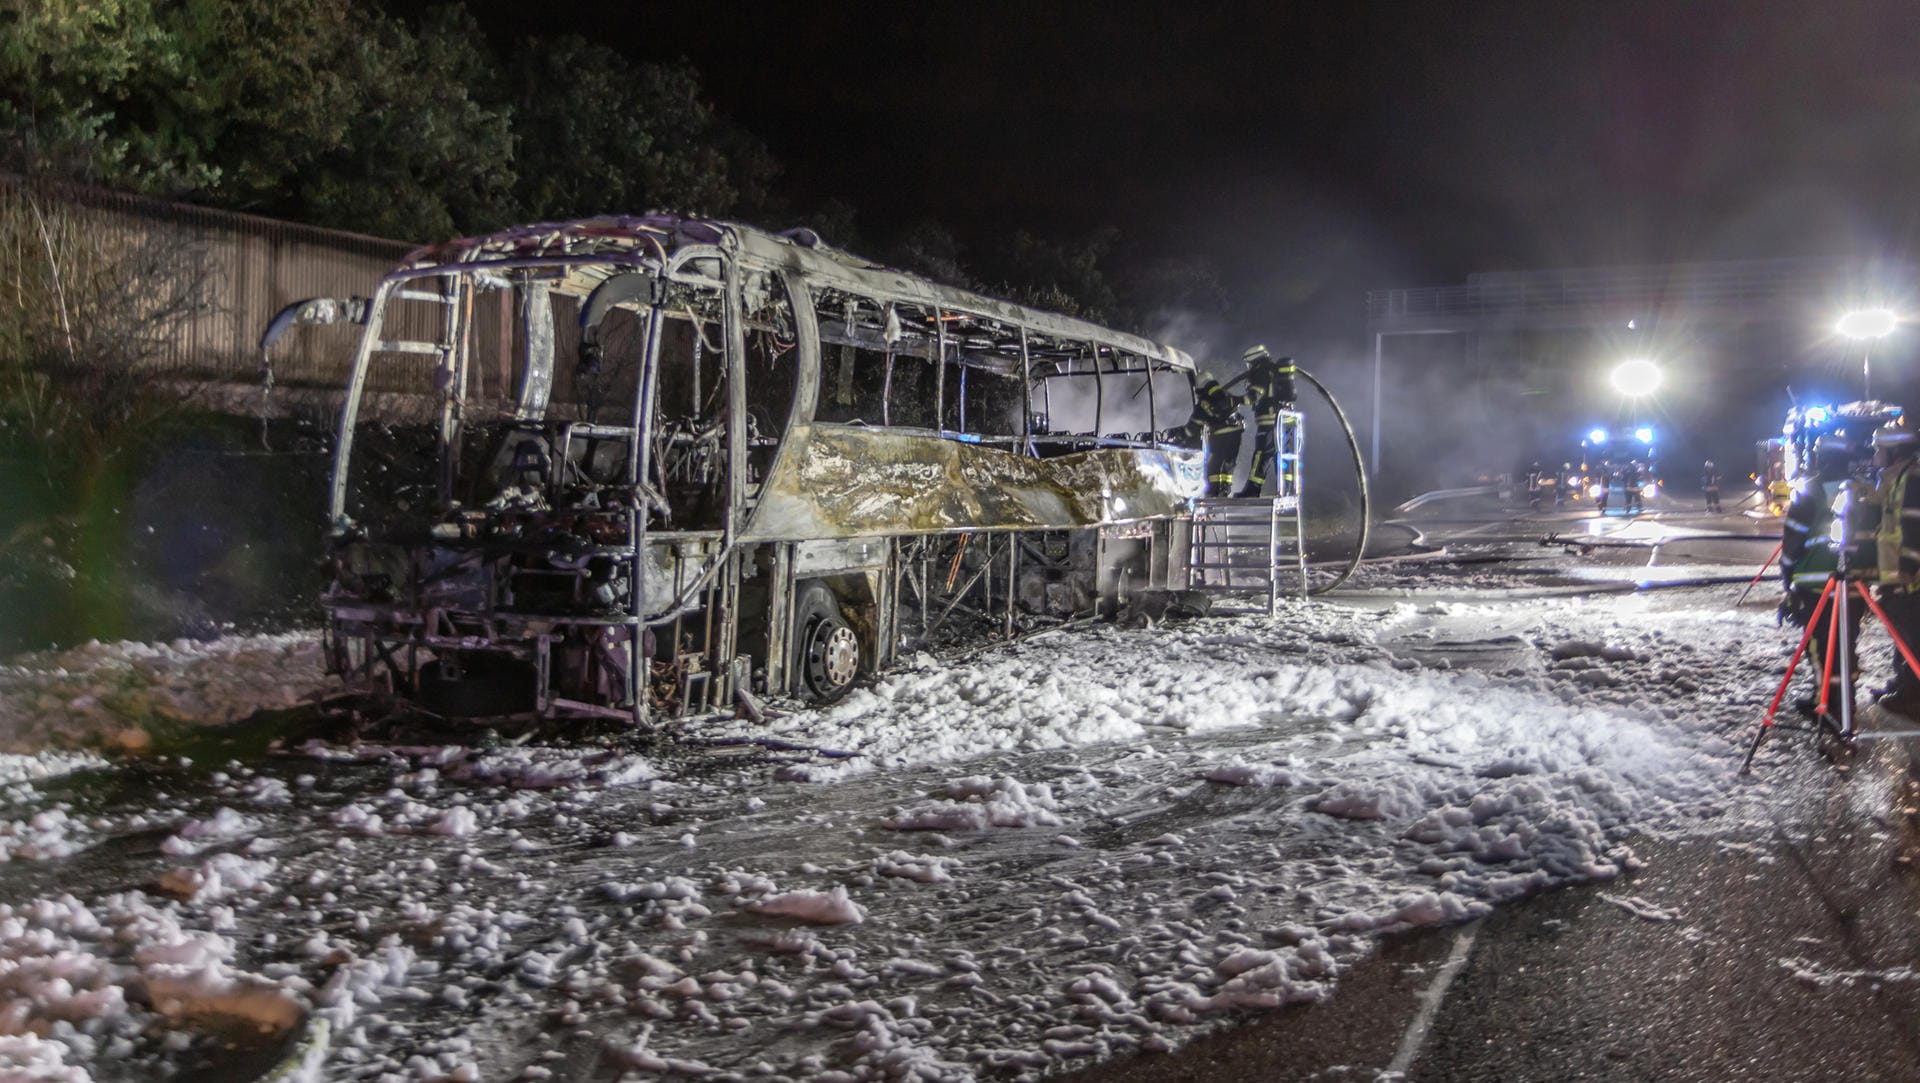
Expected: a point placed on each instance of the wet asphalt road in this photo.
(1788, 954)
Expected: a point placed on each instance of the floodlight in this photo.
(1597, 436)
(1643, 434)
(1868, 323)
(1867, 326)
(1818, 414)
(1636, 378)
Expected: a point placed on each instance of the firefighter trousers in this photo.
(1265, 450)
(1804, 602)
(1223, 454)
(1902, 606)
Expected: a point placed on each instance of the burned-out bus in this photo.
(642, 465)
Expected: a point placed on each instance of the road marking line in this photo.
(1430, 1000)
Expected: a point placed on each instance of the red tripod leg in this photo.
(1793, 664)
(1761, 572)
(1833, 639)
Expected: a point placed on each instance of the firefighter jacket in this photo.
(1857, 518)
(1215, 410)
(1807, 552)
(1270, 390)
(1897, 541)
(1710, 481)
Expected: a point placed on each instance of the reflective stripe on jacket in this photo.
(1217, 410)
(1270, 389)
(1807, 554)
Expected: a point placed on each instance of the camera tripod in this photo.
(1839, 651)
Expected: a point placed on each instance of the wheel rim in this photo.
(833, 656)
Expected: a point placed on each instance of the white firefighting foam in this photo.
(1072, 847)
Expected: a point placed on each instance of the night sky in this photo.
(1315, 150)
(1312, 152)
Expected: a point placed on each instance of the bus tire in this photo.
(826, 648)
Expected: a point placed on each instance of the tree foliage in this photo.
(269, 86)
(336, 113)
(431, 151)
(69, 76)
(931, 249)
(1068, 276)
(597, 133)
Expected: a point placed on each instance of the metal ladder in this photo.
(1240, 544)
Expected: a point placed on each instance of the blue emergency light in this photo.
(1597, 436)
(1643, 434)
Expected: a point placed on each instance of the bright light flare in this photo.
(1597, 436)
(1868, 323)
(1643, 434)
(1636, 378)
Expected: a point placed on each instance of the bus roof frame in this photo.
(618, 236)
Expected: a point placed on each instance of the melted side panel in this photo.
(847, 482)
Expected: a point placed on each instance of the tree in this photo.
(1066, 276)
(931, 249)
(836, 222)
(217, 99)
(429, 154)
(87, 312)
(266, 87)
(69, 74)
(599, 134)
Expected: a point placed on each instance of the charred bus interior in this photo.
(645, 466)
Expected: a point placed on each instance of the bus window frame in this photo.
(1115, 363)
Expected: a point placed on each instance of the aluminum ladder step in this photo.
(1266, 534)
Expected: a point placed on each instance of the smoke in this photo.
(1120, 400)
(1206, 336)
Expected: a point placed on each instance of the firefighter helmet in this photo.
(1254, 355)
(1895, 437)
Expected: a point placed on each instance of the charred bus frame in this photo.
(770, 466)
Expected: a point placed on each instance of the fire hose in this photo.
(1360, 472)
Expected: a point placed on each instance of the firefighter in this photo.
(1564, 484)
(1536, 478)
(1710, 485)
(1809, 553)
(1897, 548)
(1630, 478)
(1216, 416)
(1269, 391)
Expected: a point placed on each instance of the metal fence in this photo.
(255, 266)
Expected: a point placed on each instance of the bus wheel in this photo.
(828, 649)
